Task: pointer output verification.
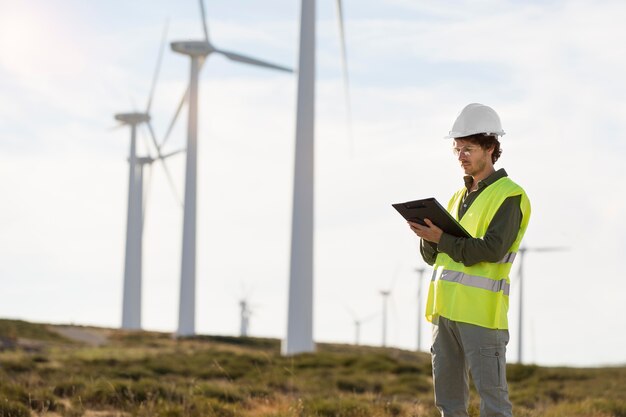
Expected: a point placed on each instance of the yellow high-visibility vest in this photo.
(477, 294)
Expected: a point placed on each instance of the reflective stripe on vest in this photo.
(477, 294)
(475, 281)
(508, 258)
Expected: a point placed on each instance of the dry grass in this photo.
(150, 374)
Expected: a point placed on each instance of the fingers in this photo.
(420, 226)
(414, 225)
(418, 229)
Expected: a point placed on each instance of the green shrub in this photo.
(21, 365)
(336, 407)
(408, 368)
(134, 372)
(375, 363)
(259, 391)
(407, 385)
(393, 409)
(43, 401)
(14, 392)
(253, 342)
(518, 372)
(13, 329)
(104, 394)
(13, 409)
(315, 360)
(565, 374)
(221, 392)
(217, 409)
(358, 385)
(613, 407)
(67, 389)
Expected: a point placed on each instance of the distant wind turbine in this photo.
(131, 304)
(198, 51)
(420, 312)
(299, 336)
(358, 321)
(245, 314)
(522, 251)
(385, 294)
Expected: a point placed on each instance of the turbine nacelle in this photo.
(133, 118)
(193, 48)
(145, 160)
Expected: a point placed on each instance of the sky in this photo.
(553, 70)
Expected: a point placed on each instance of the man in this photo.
(468, 297)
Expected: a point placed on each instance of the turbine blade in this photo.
(349, 310)
(160, 157)
(396, 273)
(548, 249)
(170, 180)
(143, 136)
(369, 318)
(158, 67)
(178, 109)
(173, 122)
(167, 155)
(252, 61)
(204, 25)
(346, 81)
(153, 138)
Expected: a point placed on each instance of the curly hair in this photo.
(486, 142)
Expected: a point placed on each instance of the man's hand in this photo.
(430, 232)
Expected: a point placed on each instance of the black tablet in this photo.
(429, 208)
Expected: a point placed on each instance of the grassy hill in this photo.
(92, 372)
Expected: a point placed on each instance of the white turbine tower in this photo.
(300, 304)
(198, 51)
(385, 294)
(522, 251)
(132, 293)
(358, 321)
(245, 314)
(131, 304)
(420, 313)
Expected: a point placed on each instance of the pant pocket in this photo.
(492, 367)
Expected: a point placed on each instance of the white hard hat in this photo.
(476, 118)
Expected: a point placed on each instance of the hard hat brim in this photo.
(459, 135)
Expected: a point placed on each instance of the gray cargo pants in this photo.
(460, 348)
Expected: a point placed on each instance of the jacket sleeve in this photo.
(500, 235)
(429, 251)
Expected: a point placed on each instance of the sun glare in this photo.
(34, 41)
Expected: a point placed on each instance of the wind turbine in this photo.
(299, 336)
(522, 251)
(245, 313)
(385, 294)
(198, 51)
(131, 304)
(358, 321)
(420, 313)
(132, 294)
